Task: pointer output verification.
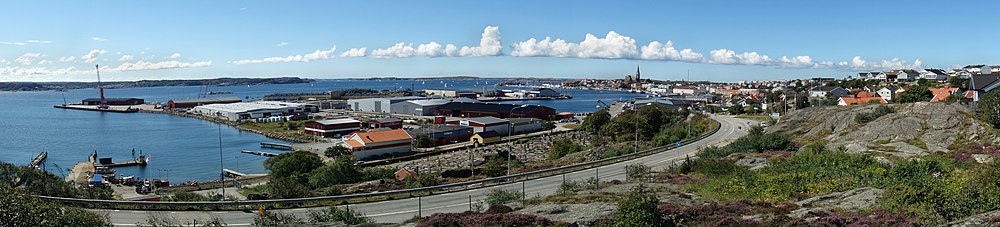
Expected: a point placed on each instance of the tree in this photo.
(957, 81)
(294, 165)
(918, 93)
(988, 108)
(422, 141)
(21, 209)
(335, 151)
(594, 123)
(286, 188)
(341, 171)
(548, 125)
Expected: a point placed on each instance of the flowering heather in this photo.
(965, 154)
(473, 219)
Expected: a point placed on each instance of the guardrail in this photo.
(373, 196)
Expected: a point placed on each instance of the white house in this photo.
(907, 75)
(887, 93)
(934, 74)
(825, 90)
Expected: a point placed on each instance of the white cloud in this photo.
(175, 55)
(857, 63)
(725, 56)
(354, 52)
(659, 51)
(315, 55)
(399, 50)
(4, 61)
(28, 58)
(28, 71)
(26, 42)
(91, 56)
(281, 44)
(144, 65)
(99, 39)
(612, 46)
(44, 62)
(126, 58)
(489, 45)
(67, 58)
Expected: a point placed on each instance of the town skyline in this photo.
(134, 41)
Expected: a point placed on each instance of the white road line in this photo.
(414, 211)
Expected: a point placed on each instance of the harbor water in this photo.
(181, 148)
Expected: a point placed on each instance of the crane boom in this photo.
(100, 89)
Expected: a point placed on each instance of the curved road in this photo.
(397, 211)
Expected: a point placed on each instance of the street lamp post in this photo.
(222, 173)
(510, 141)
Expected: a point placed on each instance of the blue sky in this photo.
(728, 40)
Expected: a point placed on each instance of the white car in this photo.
(763, 124)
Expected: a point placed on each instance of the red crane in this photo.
(104, 103)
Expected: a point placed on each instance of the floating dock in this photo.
(136, 162)
(503, 99)
(278, 146)
(94, 108)
(39, 159)
(261, 153)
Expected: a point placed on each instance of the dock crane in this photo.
(100, 88)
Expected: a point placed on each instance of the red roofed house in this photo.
(847, 101)
(940, 94)
(381, 142)
(864, 94)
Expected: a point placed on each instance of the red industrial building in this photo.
(470, 109)
(191, 103)
(392, 123)
(332, 127)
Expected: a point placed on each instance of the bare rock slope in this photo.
(911, 130)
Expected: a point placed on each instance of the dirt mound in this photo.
(911, 130)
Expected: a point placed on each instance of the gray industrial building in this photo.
(378, 105)
(426, 107)
(525, 125)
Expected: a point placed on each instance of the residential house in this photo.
(847, 101)
(980, 84)
(887, 93)
(940, 94)
(829, 90)
(934, 74)
(907, 75)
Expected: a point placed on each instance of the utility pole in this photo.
(222, 172)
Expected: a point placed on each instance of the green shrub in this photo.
(638, 208)
(562, 148)
(336, 214)
(186, 197)
(500, 196)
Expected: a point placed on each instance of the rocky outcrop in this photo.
(912, 130)
(579, 214)
(991, 218)
(853, 200)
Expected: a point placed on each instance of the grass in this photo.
(759, 118)
(918, 143)
(572, 126)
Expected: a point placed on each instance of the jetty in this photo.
(232, 173)
(261, 153)
(278, 146)
(107, 162)
(39, 159)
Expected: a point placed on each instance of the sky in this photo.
(714, 40)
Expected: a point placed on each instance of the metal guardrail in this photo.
(459, 186)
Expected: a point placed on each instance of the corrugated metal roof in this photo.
(208, 100)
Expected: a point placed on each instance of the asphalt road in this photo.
(397, 211)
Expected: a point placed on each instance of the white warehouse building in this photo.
(253, 110)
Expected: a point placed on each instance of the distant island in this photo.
(523, 79)
(41, 86)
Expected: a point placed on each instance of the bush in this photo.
(500, 196)
(21, 209)
(562, 148)
(638, 208)
(548, 125)
(274, 218)
(756, 141)
(637, 171)
(482, 219)
(988, 108)
(336, 214)
(186, 197)
(495, 167)
(422, 180)
(882, 110)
